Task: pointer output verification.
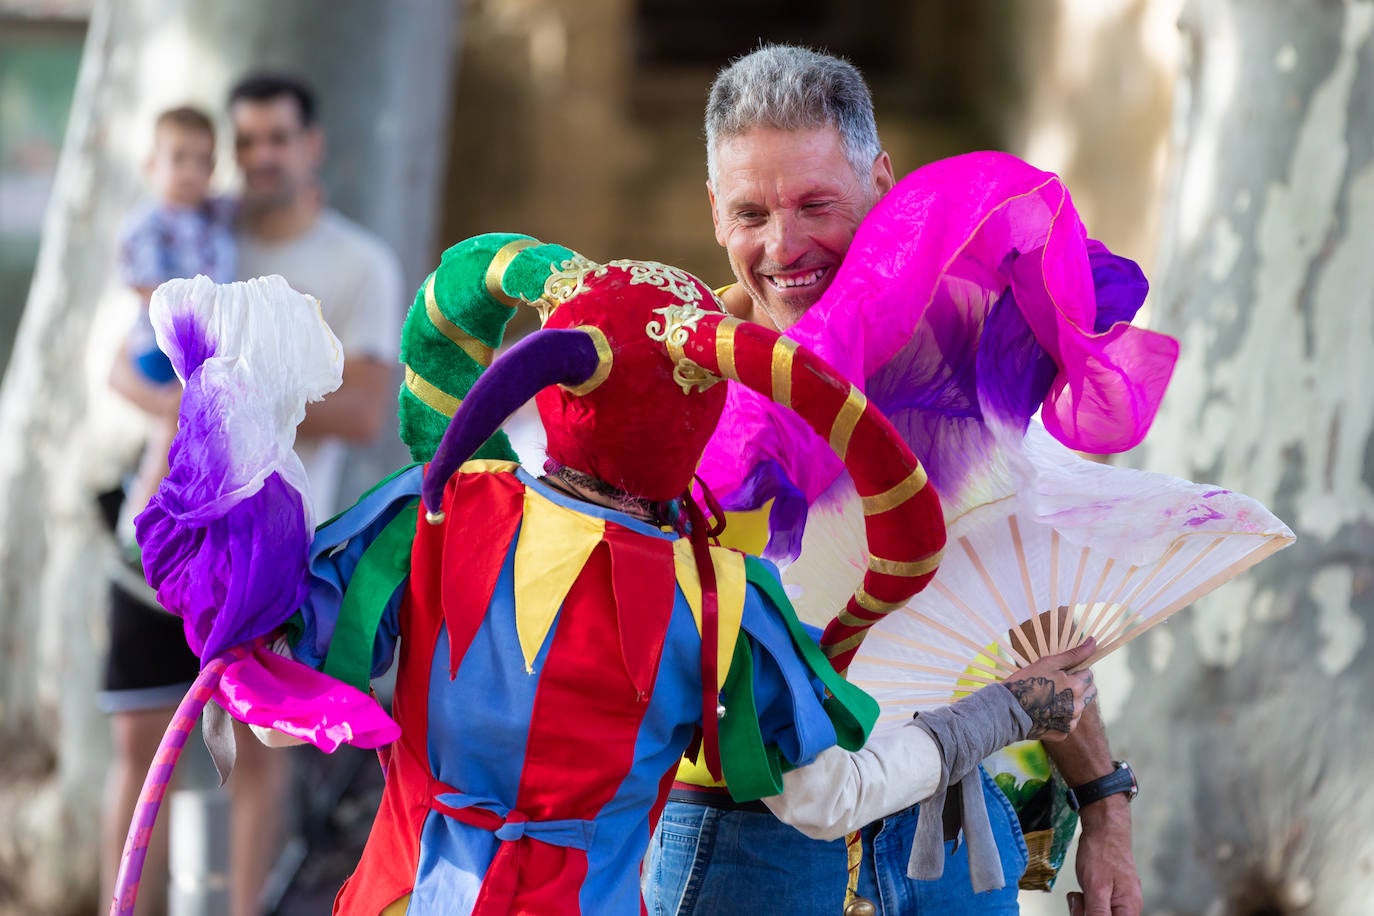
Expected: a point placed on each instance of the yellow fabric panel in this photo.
(487, 466)
(730, 584)
(693, 772)
(496, 270)
(914, 483)
(397, 907)
(747, 530)
(480, 352)
(554, 545)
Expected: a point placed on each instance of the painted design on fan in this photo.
(1201, 515)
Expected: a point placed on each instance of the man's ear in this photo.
(882, 174)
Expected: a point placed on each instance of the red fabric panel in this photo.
(548, 878)
(475, 545)
(644, 583)
(710, 640)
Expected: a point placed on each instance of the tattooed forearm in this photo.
(1049, 711)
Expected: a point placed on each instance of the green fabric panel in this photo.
(380, 571)
(750, 768)
(852, 711)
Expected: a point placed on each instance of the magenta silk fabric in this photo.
(970, 298)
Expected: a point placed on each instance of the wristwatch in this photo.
(1120, 779)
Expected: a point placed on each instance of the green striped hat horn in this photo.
(458, 320)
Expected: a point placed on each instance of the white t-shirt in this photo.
(357, 280)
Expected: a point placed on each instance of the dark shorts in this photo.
(149, 665)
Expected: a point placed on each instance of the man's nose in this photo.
(785, 241)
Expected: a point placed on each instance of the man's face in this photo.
(276, 154)
(180, 165)
(786, 205)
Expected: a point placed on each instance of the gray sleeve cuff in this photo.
(975, 727)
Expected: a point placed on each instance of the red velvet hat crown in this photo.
(636, 424)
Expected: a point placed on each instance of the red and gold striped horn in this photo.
(902, 516)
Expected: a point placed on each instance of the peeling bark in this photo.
(385, 77)
(1247, 716)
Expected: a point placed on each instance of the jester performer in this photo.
(563, 639)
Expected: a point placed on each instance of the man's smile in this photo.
(797, 280)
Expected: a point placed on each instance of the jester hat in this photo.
(624, 374)
(457, 321)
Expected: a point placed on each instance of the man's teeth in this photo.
(800, 280)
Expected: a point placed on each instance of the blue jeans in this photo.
(705, 860)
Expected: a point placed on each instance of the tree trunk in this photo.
(384, 71)
(1248, 716)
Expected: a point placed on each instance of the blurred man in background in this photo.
(286, 227)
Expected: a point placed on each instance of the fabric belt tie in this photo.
(510, 826)
(501, 884)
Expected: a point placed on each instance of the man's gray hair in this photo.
(792, 88)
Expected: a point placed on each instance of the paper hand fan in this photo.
(1073, 549)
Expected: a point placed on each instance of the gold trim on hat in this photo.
(866, 601)
(908, 569)
(851, 642)
(432, 397)
(564, 281)
(846, 419)
(462, 339)
(691, 375)
(725, 347)
(914, 483)
(500, 263)
(784, 349)
(846, 619)
(604, 357)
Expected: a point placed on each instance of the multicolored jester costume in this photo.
(557, 655)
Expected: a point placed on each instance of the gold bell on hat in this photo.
(860, 906)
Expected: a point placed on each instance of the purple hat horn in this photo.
(546, 357)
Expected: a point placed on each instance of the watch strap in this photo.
(1120, 780)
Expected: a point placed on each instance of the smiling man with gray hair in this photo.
(794, 165)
